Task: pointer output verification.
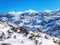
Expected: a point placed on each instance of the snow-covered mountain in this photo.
(11, 35)
(47, 21)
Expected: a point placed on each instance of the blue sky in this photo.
(21, 5)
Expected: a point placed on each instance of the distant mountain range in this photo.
(47, 21)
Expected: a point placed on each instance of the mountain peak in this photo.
(30, 10)
(15, 13)
(48, 11)
(58, 10)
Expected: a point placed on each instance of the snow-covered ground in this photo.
(11, 35)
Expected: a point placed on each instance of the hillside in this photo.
(11, 35)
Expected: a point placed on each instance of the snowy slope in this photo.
(11, 35)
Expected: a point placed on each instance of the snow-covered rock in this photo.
(22, 36)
